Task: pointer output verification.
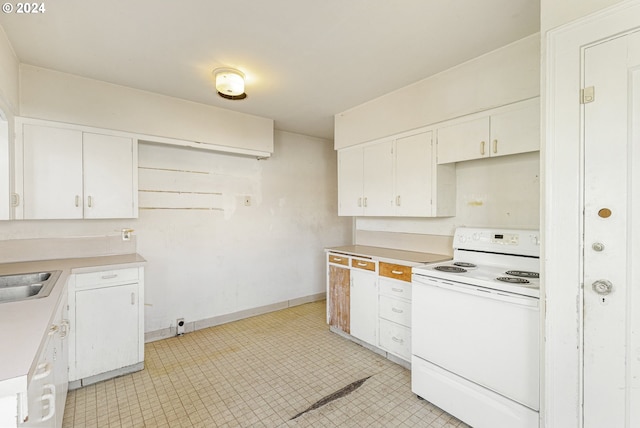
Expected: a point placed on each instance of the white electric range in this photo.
(475, 329)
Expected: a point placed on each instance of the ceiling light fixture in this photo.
(230, 83)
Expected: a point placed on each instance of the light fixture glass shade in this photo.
(229, 81)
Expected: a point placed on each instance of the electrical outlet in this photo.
(247, 201)
(126, 234)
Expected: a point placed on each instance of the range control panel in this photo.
(508, 241)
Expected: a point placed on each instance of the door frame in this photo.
(562, 202)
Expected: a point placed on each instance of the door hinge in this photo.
(587, 95)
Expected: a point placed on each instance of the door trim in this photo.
(562, 207)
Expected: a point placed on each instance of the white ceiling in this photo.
(305, 60)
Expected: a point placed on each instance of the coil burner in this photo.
(465, 265)
(523, 273)
(452, 269)
(512, 280)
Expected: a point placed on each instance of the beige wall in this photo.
(48, 94)
(504, 76)
(205, 264)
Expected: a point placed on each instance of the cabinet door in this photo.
(464, 141)
(517, 130)
(350, 170)
(364, 305)
(108, 176)
(339, 298)
(52, 172)
(413, 175)
(107, 329)
(378, 179)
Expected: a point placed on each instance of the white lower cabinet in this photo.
(395, 310)
(364, 301)
(107, 324)
(47, 388)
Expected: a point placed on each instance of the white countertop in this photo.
(23, 324)
(390, 255)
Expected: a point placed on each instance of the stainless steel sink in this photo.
(23, 286)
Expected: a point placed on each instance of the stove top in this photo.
(525, 282)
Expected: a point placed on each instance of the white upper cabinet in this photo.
(503, 131)
(108, 176)
(66, 173)
(395, 177)
(52, 173)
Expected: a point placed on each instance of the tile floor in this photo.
(257, 372)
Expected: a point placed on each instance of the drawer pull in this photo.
(113, 275)
(362, 264)
(395, 339)
(51, 398)
(397, 311)
(397, 290)
(397, 272)
(42, 371)
(337, 259)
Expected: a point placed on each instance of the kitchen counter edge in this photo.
(389, 255)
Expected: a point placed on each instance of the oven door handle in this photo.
(515, 299)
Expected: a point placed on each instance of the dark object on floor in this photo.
(333, 396)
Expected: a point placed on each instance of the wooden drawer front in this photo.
(398, 311)
(339, 259)
(107, 277)
(363, 264)
(395, 289)
(395, 339)
(401, 272)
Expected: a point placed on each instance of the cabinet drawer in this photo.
(398, 311)
(339, 259)
(395, 339)
(401, 272)
(395, 289)
(106, 277)
(363, 264)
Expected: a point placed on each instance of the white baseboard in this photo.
(165, 333)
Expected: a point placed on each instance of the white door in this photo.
(363, 305)
(414, 169)
(350, 182)
(108, 176)
(52, 173)
(378, 179)
(612, 234)
(107, 330)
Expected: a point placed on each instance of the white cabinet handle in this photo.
(397, 311)
(113, 275)
(77, 201)
(495, 146)
(51, 398)
(482, 148)
(398, 290)
(42, 371)
(359, 202)
(90, 203)
(133, 298)
(65, 328)
(365, 202)
(15, 200)
(398, 200)
(395, 339)
(337, 259)
(361, 264)
(397, 272)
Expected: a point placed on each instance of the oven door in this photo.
(485, 336)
